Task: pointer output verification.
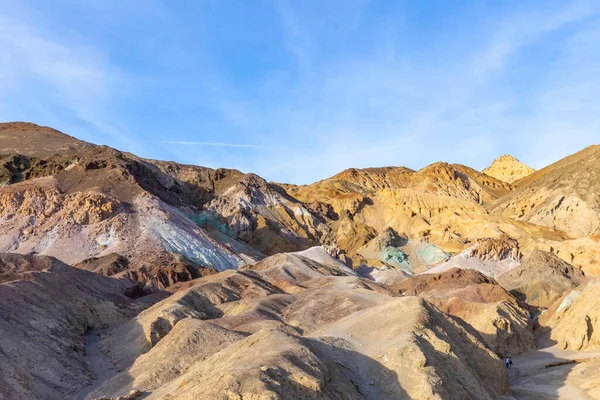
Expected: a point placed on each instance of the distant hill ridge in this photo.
(90, 198)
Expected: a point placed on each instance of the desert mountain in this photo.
(145, 210)
(508, 169)
(123, 276)
(77, 201)
(563, 196)
(41, 141)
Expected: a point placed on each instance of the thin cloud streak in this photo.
(342, 84)
(75, 84)
(212, 144)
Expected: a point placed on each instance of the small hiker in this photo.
(507, 362)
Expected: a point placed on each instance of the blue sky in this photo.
(297, 91)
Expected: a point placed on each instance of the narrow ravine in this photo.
(99, 364)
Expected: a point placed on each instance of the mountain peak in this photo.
(508, 169)
(33, 140)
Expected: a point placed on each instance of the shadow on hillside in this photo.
(342, 372)
(106, 373)
(354, 375)
(541, 374)
(538, 374)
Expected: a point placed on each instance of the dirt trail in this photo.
(100, 366)
(542, 374)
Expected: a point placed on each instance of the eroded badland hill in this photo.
(123, 277)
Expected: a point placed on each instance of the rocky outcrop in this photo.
(443, 179)
(76, 201)
(492, 188)
(267, 219)
(495, 249)
(151, 276)
(43, 203)
(389, 249)
(15, 267)
(508, 169)
(541, 279)
(160, 243)
(443, 283)
(108, 265)
(491, 256)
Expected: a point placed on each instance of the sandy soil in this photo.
(543, 373)
(100, 366)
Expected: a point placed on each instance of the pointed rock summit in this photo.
(508, 169)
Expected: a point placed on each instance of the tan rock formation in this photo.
(490, 256)
(573, 320)
(495, 249)
(508, 169)
(564, 195)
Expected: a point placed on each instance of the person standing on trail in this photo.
(507, 362)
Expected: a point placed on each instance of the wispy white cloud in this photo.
(384, 108)
(210, 144)
(526, 26)
(58, 79)
(356, 87)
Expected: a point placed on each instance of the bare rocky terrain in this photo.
(122, 277)
(541, 279)
(503, 322)
(508, 169)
